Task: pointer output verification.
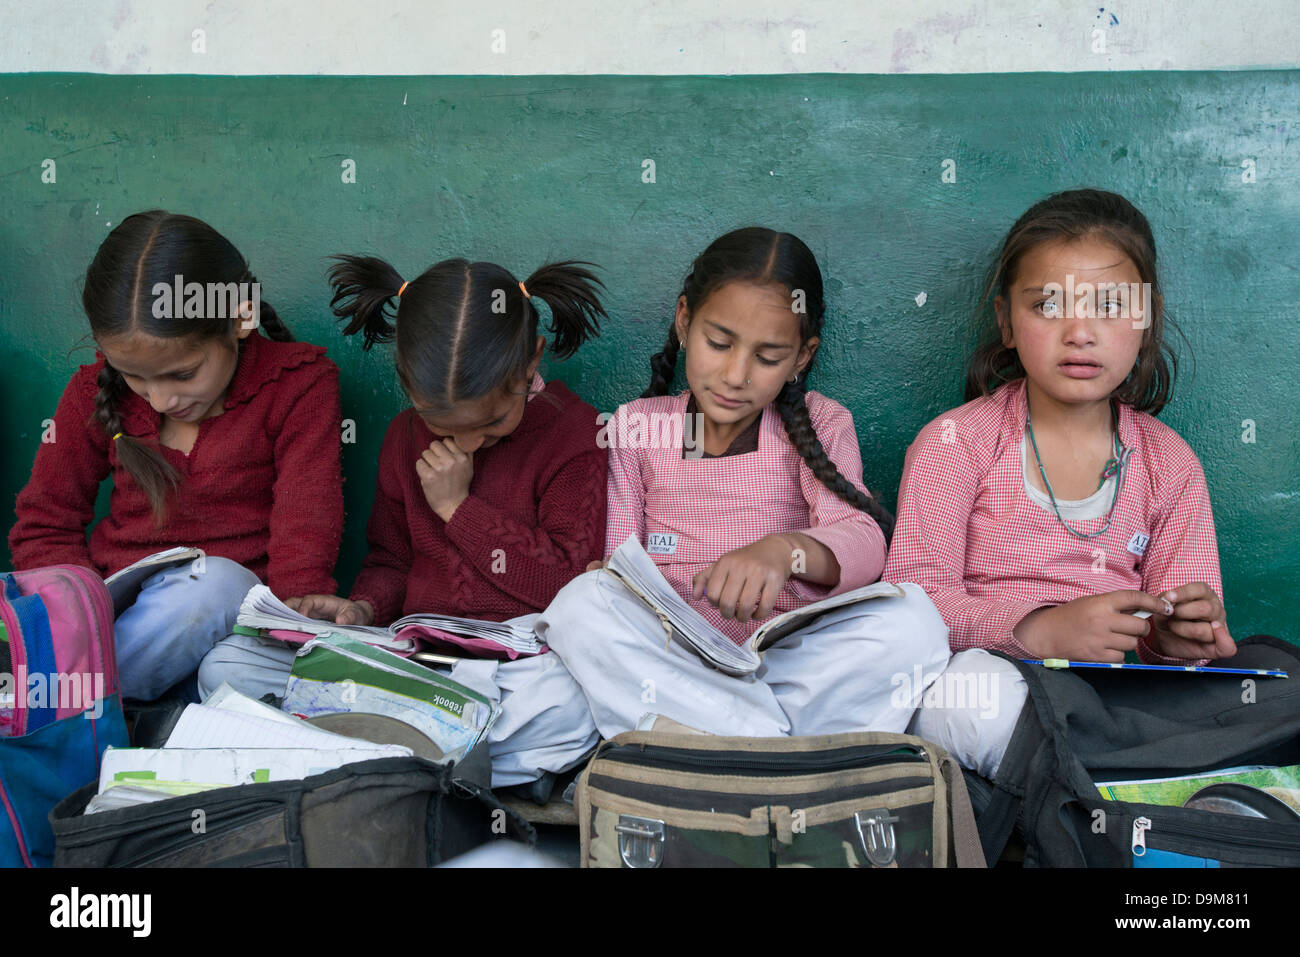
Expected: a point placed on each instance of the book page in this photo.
(638, 572)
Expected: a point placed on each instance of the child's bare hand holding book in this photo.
(335, 608)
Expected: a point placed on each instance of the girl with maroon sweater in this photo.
(217, 435)
(491, 489)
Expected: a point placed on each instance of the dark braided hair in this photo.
(463, 329)
(146, 249)
(759, 255)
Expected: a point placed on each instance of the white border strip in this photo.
(666, 37)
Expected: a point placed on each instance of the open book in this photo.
(263, 615)
(124, 584)
(635, 569)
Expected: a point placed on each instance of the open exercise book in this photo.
(124, 584)
(263, 615)
(229, 740)
(634, 568)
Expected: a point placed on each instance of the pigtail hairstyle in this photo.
(462, 329)
(758, 255)
(1074, 215)
(118, 297)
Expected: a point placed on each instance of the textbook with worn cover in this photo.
(635, 569)
(262, 615)
(336, 673)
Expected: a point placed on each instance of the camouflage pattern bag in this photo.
(653, 799)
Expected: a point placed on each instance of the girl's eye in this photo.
(1109, 309)
(182, 376)
(716, 345)
(1049, 307)
(767, 362)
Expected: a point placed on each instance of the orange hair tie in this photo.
(524, 290)
(402, 290)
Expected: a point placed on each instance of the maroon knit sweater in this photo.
(262, 486)
(534, 518)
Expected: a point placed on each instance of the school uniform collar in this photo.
(262, 361)
(1125, 418)
(769, 420)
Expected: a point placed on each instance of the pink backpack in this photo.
(59, 701)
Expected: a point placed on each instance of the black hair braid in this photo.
(663, 365)
(110, 383)
(268, 319)
(154, 474)
(791, 404)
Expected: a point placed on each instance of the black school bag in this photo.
(389, 812)
(1087, 725)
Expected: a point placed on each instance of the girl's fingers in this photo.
(1129, 626)
(771, 592)
(1192, 630)
(1129, 601)
(1224, 646)
(729, 594)
(751, 597)
(699, 584)
(1200, 609)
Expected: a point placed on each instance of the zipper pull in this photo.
(1140, 826)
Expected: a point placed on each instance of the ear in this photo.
(806, 353)
(536, 360)
(682, 320)
(245, 319)
(1003, 313)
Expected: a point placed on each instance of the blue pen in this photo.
(1057, 663)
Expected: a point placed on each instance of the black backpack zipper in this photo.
(771, 765)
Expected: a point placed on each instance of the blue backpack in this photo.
(59, 702)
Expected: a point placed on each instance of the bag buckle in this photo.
(876, 832)
(640, 841)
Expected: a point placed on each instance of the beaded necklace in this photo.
(1114, 466)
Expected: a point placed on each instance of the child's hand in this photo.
(333, 608)
(445, 473)
(592, 566)
(745, 583)
(1096, 628)
(1196, 629)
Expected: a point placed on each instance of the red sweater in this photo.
(263, 485)
(534, 518)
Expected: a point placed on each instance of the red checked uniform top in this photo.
(533, 520)
(262, 485)
(988, 556)
(715, 505)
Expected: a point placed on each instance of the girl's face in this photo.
(481, 423)
(742, 345)
(1081, 352)
(181, 378)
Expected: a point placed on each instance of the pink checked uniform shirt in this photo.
(715, 505)
(988, 556)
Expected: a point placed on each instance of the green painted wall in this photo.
(518, 170)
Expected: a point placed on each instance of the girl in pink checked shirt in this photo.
(1050, 510)
(780, 476)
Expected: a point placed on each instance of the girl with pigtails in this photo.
(220, 432)
(772, 516)
(491, 486)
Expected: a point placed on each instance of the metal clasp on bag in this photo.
(640, 841)
(876, 831)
